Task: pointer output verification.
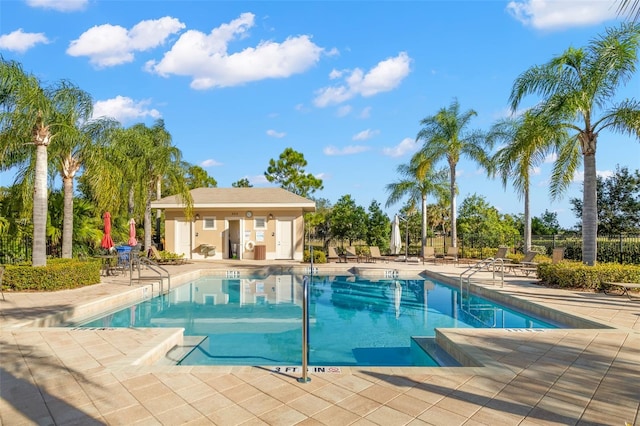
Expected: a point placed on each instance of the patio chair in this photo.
(451, 256)
(374, 254)
(350, 253)
(429, 253)
(526, 265)
(332, 254)
(502, 253)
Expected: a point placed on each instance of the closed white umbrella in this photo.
(396, 237)
(397, 296)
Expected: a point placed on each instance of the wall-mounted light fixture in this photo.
(270, 216)
(197, 216)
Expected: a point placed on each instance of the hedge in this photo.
(569, 274)
(59, 274)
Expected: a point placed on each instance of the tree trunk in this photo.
(132, 203)
(147, 223)
(527, 221)
(39, 255)
(67, 218)
(158, 211)
(452, 189)
(589, 211)
(424, 224)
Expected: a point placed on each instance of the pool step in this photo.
(178, 352)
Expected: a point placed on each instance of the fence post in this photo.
(620, 249)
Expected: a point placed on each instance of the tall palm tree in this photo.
(529, 139)
(417, 183)
(38, 116)
(445, 135)
(574, 87)
(73, 144)
(147, 157)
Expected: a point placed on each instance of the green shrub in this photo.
(318, 256)
(59, 274)
(569, 274)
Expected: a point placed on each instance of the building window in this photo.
(209, 223)
(260, 223)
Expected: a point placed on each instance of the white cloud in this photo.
(385, 76)
(204, 57)
(124, 109)
(578, 176)
(347, 150)
(59, 5)
(407, 145)
(535, 171)
(210, 163)
(559, 14)
(344, 110)
(258, 180)
(275, 134)
(108, 45)
(335, 74)
(365, 134)
(366, 112)
(19, 41)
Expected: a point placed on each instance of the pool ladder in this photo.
(489, 264)
(232, 274)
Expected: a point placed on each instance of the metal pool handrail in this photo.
(488, 262)
(153, 266)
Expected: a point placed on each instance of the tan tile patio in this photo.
(63, 376)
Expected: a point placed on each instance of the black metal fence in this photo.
(18, 250)
(622, 248)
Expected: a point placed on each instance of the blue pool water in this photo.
(352, 321)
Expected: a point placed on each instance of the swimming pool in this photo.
(353, 321)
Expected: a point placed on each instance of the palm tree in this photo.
(33, 115)
(147, 157)
(529, 139)
(629, 7)
(74, 143)
(418, 182)
(574, 87)
(444, 135)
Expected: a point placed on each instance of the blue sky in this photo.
(345, 83)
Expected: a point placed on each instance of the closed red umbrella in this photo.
(107, 241)
(132, 233)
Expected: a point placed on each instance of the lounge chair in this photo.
(526, 265)
(502, 253)
(350, 253)
(155, 255)
(623, 287)
(333, 255)
(374, 254)
(451, 256)
(429, 253)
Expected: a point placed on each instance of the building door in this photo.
(284, 239)
(183, 237)
(234, 243)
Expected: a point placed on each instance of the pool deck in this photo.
(66, 376)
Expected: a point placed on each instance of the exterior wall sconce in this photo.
(197, 216)
(270, 216)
